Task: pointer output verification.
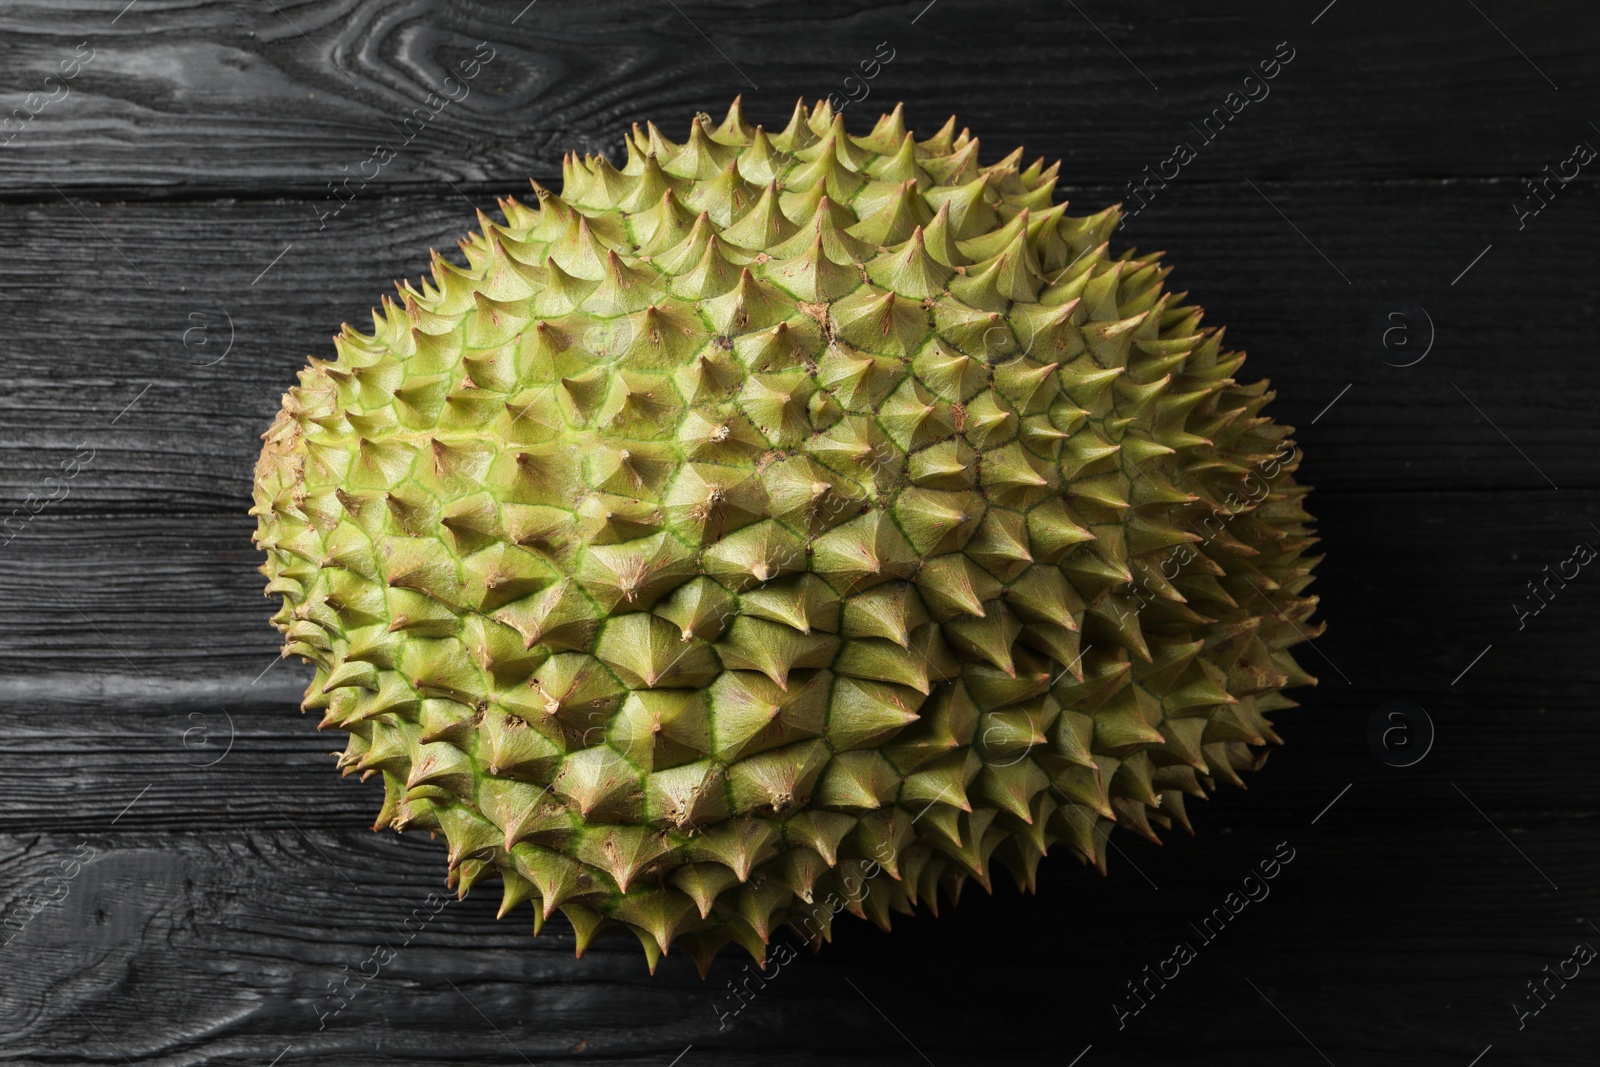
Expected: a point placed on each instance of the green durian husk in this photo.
(785, 524)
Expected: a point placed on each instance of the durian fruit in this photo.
(785, 523)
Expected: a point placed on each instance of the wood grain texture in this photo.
(188, 443)
(189, 97)
(166, 210)
(254, 927)
(176, 600)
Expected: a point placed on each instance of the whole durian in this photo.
(785, 523)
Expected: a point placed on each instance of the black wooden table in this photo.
(183, 877)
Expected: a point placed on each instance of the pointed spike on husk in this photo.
(780, 523)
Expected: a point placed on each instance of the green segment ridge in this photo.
(777, 511)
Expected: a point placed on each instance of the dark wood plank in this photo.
(189, 439)
(248, 98)
(221, 947)
(139, 689)
(183, 176)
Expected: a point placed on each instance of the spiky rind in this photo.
(777, 513)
